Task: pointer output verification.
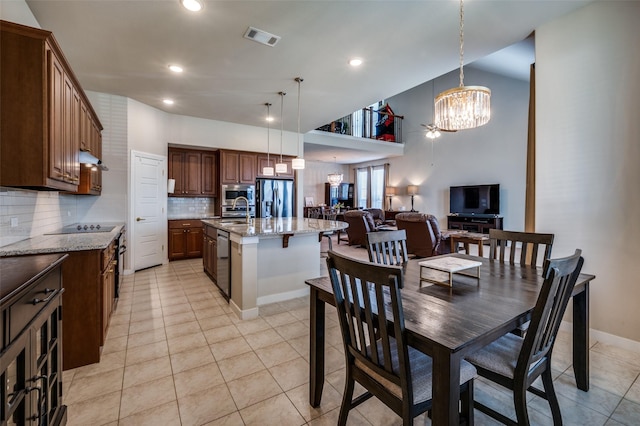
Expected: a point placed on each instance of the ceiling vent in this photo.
(262, 37)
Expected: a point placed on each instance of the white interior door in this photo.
(149, 215)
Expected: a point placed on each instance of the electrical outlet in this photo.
(14, 222)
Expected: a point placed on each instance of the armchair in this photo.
(360, 223)
(424, 238)
(378, 216)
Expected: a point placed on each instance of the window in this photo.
(370, 184)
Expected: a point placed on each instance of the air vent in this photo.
(262, 37)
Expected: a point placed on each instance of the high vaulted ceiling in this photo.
(124, 48)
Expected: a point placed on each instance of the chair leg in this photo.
(520, 402)
(466, 400)
(547, 381)
(347, 396)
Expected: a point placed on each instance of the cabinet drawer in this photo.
(210, 231)
(187, 223)
(39, 296)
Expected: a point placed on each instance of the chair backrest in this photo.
(315, 212)
(530, 243)
(329, 214)
(560, 277)
(377, 214)
(367, 297)
(388, 247)
(422, 239)
(360, 222)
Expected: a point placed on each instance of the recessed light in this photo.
(192, 5)
(176, 68)
(355, 62)
(168, 101)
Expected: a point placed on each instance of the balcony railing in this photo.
(381, 124)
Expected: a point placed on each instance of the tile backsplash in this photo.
(190, 208)
(25, 214)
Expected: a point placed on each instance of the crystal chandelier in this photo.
(463, 107)
(268, 170)
(281, 167)
(335, 179)
(298, 163)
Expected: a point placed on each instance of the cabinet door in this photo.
(214, 258)
(205, 252)
(194, 242)
(247, 171)
(192, 173)
(177, 243)
(229, 162)
(176, 171)
(56, 114)
(209, 181)
(72, 136)
(15, 371)
(47, 356)
(262, 162)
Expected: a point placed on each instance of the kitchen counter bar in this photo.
(270, 259)
(62, 243)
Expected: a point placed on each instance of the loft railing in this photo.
(368, 123)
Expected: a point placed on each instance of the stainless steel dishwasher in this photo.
(223, 271)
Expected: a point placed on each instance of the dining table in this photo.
(448, 323)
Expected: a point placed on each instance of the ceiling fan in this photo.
(433, 131)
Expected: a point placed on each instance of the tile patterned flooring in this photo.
(177, 355)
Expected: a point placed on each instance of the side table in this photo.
(467, 238)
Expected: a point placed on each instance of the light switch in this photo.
(14, 222)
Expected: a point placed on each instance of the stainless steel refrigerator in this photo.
(274, 198)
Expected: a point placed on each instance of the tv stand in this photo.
(474, 223)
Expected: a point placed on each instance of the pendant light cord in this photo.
(281, 121)
(299, 80)
(268, 131)
(461, 43)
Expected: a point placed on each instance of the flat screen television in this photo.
(475, 199)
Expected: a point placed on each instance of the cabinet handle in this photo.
(45, 300)
(186, 224)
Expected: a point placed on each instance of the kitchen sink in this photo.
(233, 222)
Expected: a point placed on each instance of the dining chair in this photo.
(515, 362)
(371, 317)
(388, 247)
(529, 244)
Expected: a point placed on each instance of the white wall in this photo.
(493, 153)
(588, 155)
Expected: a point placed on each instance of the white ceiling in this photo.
(124, 48)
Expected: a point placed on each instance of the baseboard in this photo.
(243, 315)
(606, 338)
(280, 297)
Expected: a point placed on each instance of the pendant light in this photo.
(268, 170)
(335, 179)
(298, 163)
(463, 107)
(281, 167)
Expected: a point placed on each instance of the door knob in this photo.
(138, 219)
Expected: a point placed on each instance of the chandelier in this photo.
(463, 107)
(298, 163)
(335, 179)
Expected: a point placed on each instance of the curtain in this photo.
(530, 190)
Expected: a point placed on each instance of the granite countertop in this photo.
(62, 243)
(192, 216)
(276, 226)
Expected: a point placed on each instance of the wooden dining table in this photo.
(450, 323)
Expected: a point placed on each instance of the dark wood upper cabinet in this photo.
(209, 182)
(194, 171)
(237, 167)
(40, 114)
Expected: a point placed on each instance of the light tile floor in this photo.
(177, 355)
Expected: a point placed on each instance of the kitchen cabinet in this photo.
(41, 112)
(185, 239)
(194, 171)
(31, 350)
(210, 251)
(237, 167)
(108, 285)
(273, 159)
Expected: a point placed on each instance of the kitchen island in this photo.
(272, 258)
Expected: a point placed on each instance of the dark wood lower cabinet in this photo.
(31, 355)
(185, 239)
(210, 252)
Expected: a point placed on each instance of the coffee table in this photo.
(450, 265)
(467, 238)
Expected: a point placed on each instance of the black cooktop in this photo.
(83, 229)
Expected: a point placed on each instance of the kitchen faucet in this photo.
(246, 201)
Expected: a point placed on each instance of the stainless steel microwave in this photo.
(231, 192)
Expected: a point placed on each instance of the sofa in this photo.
(424, 238)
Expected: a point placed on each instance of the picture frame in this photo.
(308, 202)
